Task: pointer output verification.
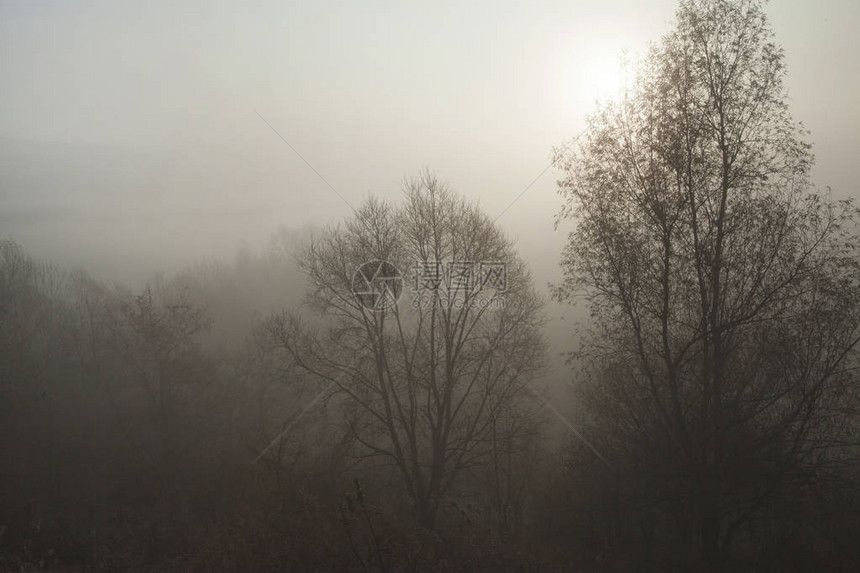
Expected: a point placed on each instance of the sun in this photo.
(599, 78)
(584, 78)
(605, 77)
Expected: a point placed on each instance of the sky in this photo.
(135, 137)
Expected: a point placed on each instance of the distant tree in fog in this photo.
(436, 383)
(162, 353)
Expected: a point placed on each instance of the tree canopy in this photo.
(723, 285)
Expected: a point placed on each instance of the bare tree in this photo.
(723, 287)
(427, 379)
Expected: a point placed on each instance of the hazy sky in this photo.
(129, 137)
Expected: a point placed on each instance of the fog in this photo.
(130, 142)
(142, 140)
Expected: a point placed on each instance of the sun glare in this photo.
(585, 78)
(603, 79)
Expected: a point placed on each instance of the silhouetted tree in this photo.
(724, 289)
(432, 383)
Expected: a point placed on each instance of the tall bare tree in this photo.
(724, 287)
(429, 379)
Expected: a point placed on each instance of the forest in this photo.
(375, 395)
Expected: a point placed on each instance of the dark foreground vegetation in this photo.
(276, 414)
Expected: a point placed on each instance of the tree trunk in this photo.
(710, 531)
